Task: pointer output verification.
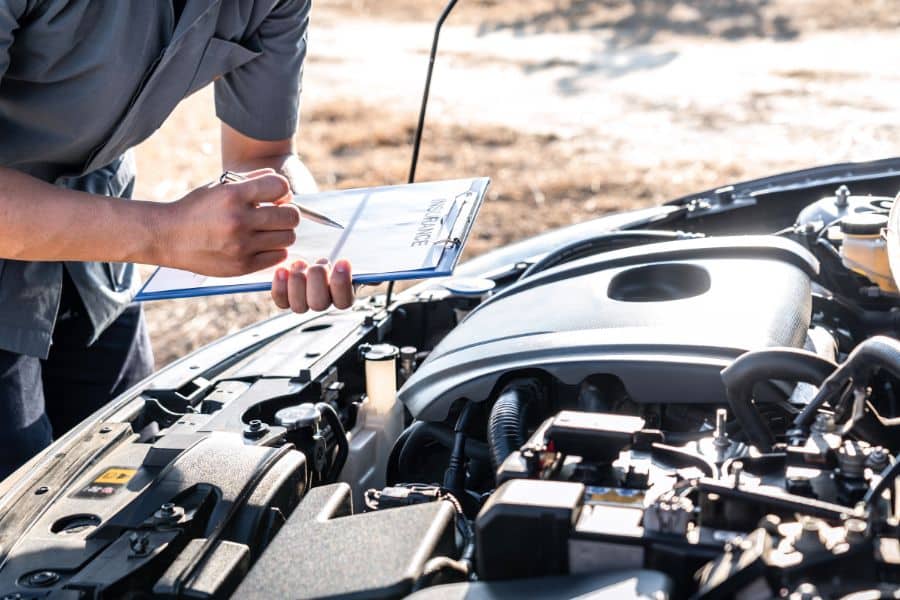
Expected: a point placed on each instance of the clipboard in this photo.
(391, 233)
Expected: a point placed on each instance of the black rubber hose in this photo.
(455, 475)
(877, 352)
(789, 364)
(416, 436)
(340, 436)
(506, 423)
(604, 242)
(392, 475)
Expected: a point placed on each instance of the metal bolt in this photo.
(842, 196)
(407, 360)
(139, 543)
(720, 438)
(878, 459)
(168, 514)
(737, 468)
(255, 429)
(721, 415)
(42, 578)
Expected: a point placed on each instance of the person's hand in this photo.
(221, 230)
(313, 287)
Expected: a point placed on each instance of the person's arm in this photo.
(241, 153)
(258, 104)
(216, 230)
(302, 286)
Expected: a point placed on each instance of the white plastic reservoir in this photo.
(378, 424)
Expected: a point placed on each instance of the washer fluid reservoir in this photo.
(864, 249)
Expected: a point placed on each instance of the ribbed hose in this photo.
(787, 364)
(878, 352)
(506, 423)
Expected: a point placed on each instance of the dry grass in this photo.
(539, 181)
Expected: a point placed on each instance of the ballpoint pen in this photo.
(309, 213)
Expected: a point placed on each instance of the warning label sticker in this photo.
(116, 476)
(106, 483)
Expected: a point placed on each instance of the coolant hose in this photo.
(506, 423)
(412, 441)
(340, 437)
(879, 352)
(788, 364)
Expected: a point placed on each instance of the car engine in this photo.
(698, 400)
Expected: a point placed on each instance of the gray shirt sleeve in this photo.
(10, 13)
(261, 98)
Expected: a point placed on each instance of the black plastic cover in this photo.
(594, 436)
(324, 552)
(98, 559)
(663, 318)
(523, 529)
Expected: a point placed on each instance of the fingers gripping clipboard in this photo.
(391, 233)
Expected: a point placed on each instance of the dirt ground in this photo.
(550, 171)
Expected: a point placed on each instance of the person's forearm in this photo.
(242, 154)
(43, 222)
(289, 165)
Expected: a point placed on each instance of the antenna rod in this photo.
(417, 140)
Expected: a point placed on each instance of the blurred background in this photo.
(574, 108)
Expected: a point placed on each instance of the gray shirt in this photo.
(83, 81)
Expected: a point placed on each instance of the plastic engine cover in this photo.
(663, 318)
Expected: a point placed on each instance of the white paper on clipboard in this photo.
(388, 231)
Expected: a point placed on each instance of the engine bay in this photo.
(692, 401)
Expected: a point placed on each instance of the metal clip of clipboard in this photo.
(455, 236)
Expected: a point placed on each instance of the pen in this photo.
(312, 215)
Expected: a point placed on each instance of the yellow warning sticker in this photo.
(115, 476)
